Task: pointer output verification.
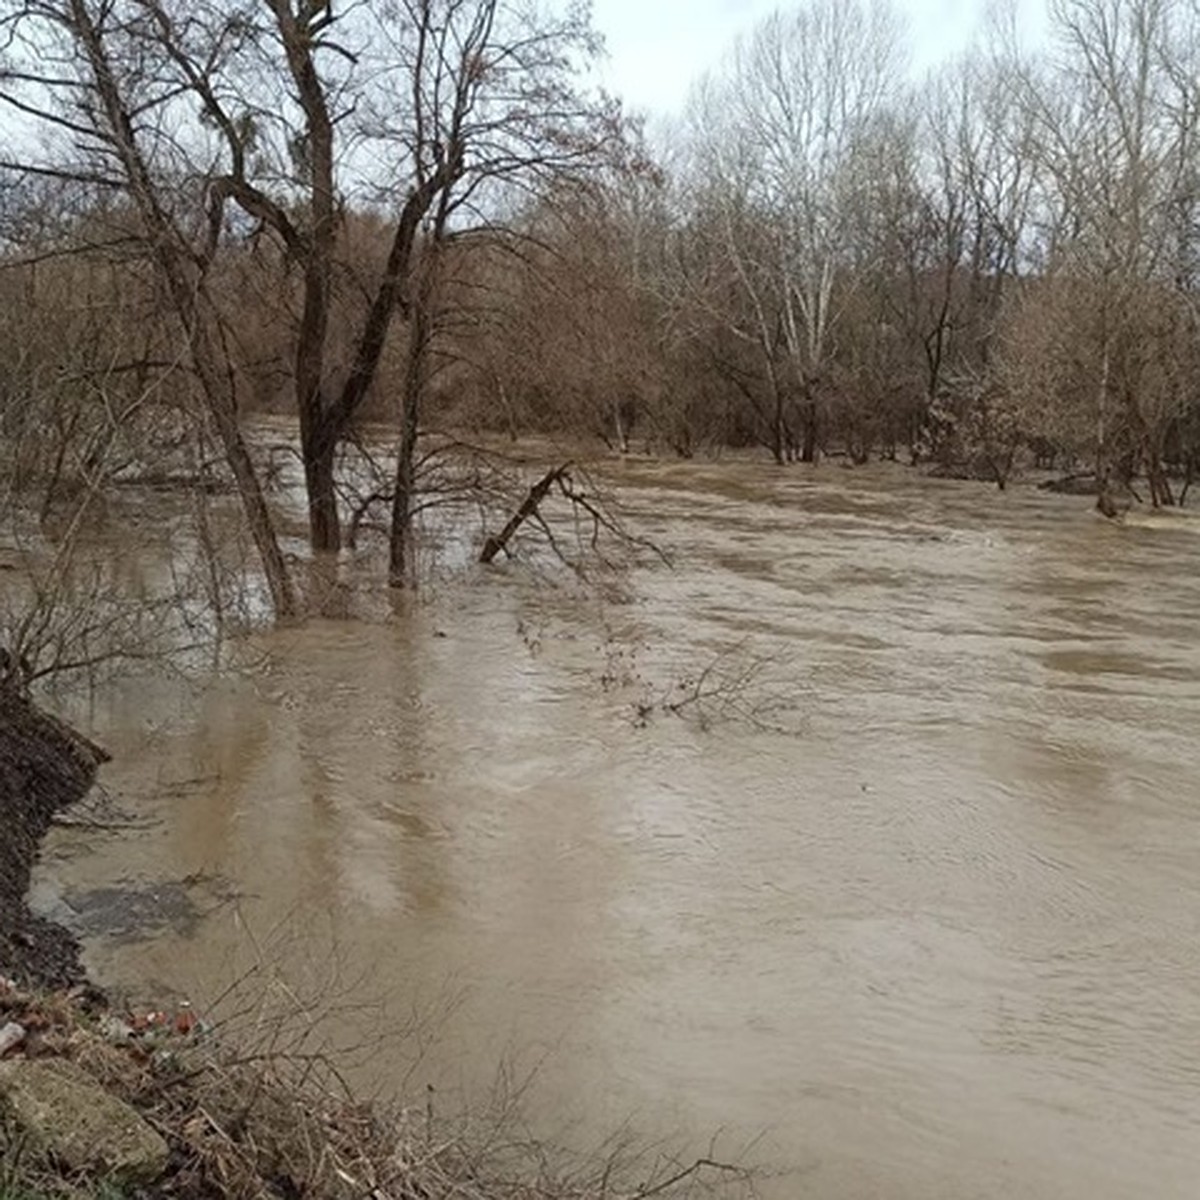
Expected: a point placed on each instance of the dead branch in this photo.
(732, 687)
(690, 1172)
(529, 508)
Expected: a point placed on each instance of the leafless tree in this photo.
(775, 135)
(272, 117)
(1116, 134)
(102, 113)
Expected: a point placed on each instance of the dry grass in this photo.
(264, 1122)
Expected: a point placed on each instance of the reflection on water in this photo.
(942, 940)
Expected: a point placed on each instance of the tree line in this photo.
(421, 213)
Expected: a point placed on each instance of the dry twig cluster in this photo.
(252, 1124)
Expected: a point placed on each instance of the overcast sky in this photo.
(658, 47)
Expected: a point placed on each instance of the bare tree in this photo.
(273, 116)
(970, 240)
(108, 118)
(775, 135)
(95, 413)
(1116, 132)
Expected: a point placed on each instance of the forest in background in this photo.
(420, 214)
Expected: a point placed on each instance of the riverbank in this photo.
(98, 1102)
(45, 767)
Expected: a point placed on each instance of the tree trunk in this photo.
(177, 266)
(621, 431)
(401, 565)
(324, 525)
(1161, 495)
(778, 446)
(808, 452)
(778, 426)
(319, 451)
(254, 503)
(529, 506)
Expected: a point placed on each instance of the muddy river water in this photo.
(910, 898)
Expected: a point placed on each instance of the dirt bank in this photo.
(44, 768)
(95, 1101)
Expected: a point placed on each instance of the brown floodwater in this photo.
(910, 894)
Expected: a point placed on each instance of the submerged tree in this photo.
(414, 208)
(271, 117)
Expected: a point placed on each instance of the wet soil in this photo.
(44, 768)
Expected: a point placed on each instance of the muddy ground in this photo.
(44, 768)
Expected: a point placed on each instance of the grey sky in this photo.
(658, 47)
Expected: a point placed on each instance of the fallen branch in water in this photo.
(733, 686)
(688, 1173)
(529, 508)
(591, 507)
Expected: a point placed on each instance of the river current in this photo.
(868, 834)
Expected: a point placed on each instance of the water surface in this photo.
(915, 895)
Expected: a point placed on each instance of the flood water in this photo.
(911, 896)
